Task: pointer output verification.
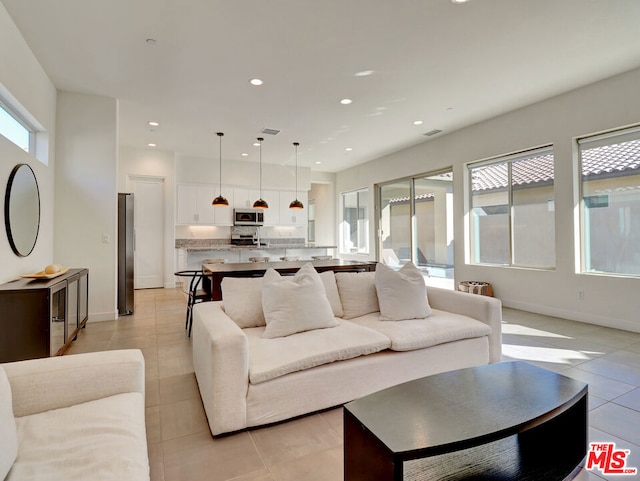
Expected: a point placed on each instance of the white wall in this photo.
(24, 83)
(154, 163)
(86, 194)
(608, 300)
(240, 173)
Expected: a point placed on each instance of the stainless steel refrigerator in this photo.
(126, 245)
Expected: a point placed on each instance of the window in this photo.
(512, 210)
(14, 129)
(355, 222)
(610, 204)
(416, 224)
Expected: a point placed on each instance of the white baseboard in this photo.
(102, 316)
(573, 315)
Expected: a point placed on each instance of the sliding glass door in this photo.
(395, 221)
(416, 224)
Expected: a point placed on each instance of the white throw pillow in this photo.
(295, 303)
(401, 294)
(357, 293)
(331, 288)
(242, 300)
(8, 434)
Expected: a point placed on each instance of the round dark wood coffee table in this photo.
(504, 421)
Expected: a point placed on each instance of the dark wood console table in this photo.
(214, 273)
(504, 421)
(41, 317)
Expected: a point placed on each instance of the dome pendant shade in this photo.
(260, 204)
(296, 204)
(220, 201)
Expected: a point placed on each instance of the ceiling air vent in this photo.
(269, 131)
(432, 132)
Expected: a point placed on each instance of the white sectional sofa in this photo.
(76, 417)
(249, 378)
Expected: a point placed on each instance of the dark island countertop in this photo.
(214, 273)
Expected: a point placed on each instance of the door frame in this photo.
(161, 179)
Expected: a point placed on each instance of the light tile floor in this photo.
(310, 448)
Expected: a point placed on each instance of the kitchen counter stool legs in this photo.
(195, 294)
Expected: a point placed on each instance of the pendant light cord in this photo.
(296, 145)
(260, 139)
(220, 134)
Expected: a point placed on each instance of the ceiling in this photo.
(449, 65)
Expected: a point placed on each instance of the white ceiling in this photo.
(449, 65)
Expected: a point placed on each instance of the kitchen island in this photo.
(214, 273)
(192, 256)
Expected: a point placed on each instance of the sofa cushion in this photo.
(331, 288)
(401, 294)
(439, 328)
(272, 358)
(8, 434)
(102, 439)
(357, 293)
(242, 300)
(295, 303)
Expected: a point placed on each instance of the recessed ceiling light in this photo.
(153, 123)
(459, 1)
(256, 81)
(346, 101)
(364, 73)
(152, 145)
(348, 149)
(256, 144)
(244, 154)
(318, 162)
(417, 122)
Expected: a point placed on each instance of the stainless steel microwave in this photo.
(248, 217)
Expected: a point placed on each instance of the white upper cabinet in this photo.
(293, 216)
(241, 198)
(223, 215)
(244, 199)
(194, 205)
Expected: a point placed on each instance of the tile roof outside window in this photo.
(527, 171)
(611, 158)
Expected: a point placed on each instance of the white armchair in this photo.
(74, 417)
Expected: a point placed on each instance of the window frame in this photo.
(31, 147)
(507, 159)
(617, 136)
(413, 234)
(343, 239)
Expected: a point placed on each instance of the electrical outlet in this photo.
(581, 294)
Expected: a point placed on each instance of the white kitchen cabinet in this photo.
(194, 206)
(223, 215)
(244, 199)
(241, 198)
(296, 217)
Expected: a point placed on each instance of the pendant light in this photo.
(220, 201)
(296, 204)
(260, 203)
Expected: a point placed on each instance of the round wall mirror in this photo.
(22, 210)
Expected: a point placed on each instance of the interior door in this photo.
(148, 231)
